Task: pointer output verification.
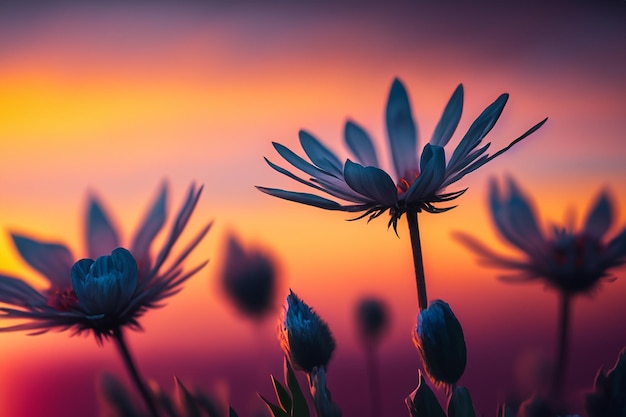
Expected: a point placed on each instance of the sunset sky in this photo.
(113, 100)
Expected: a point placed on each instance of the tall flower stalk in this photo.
(418, 260)
(131, 367)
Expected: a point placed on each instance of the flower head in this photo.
(439, 338)
(420, 180)
(304, 337)
(570, 261)
(109, 292)
(248, 279)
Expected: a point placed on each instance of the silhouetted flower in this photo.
(304, 337)
(248, 279)
(572, 262)
(439, 338)
(372, 318)
(89, 295)
(420, 180)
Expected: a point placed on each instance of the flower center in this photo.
(576, 249)
(405, 182)
(62, 300)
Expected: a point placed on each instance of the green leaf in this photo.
(274, 409)
(284, 399)
(460, 403)
(299, 406)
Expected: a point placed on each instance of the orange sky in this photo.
(114, 100)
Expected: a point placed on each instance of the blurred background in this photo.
(113, 99)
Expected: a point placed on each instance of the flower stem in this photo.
(562, 347)
(374, 380)
(418, 262)
(122, 348)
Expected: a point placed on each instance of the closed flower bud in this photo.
(372, 319)
(304, 337)
(440, 341)
(248, 278)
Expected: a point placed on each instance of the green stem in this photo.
(122, 348)
(418, 262)
(562, 347)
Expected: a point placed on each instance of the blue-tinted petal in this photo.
(124, 262)
(52, 260)
(303, 198)
(16, 292)
(449, 119)
(515, 219)
(80, 270)
(477, 131)
(433, 170)
(600, 218)
(101, 235)
(180, 221)
(467, 164)
(488, 257)
(371, 182)
(300, 163)
(401, 130)
(336, 187)
(319, 154)
(616, 249)
(360, 144)
(523, 219)
(150, 226)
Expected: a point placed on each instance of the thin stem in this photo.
(374, 380)
(418, 262)
(562, 347)
(122, 348)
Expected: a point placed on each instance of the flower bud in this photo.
(248, 279)
(372, 318)
(439, 339)
(304, 337)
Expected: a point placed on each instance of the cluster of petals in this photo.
(568, 260)
(304, 336)
(363, 186)
(111, 288)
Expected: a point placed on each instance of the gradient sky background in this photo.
(114, 99)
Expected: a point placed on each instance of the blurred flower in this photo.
(125, 284)
(439, 338)
(372, 318)
(420, 181)
(609, 396)
(248, 279)
(572, 262)
(304, 337)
